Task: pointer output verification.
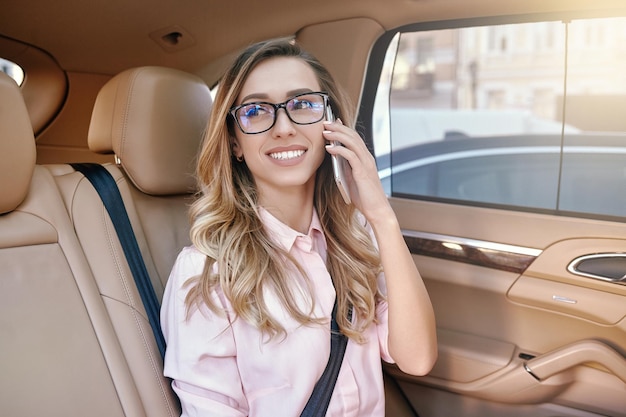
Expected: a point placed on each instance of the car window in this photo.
(525, 116)
(12, 70)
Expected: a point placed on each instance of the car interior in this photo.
(524, 259)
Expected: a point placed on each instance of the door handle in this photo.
(609, 267)
(577, 353)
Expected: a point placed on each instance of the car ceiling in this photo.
(99, 36)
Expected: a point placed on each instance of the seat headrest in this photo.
(153, 119)
(17, 146)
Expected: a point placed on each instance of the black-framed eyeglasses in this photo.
(260, 116)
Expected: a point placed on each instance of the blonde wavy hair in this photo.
(226, 226)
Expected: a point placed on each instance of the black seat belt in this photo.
(323, 390)
(105, 185)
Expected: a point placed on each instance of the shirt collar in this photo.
(286, 236)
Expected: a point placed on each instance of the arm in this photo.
(412, 331)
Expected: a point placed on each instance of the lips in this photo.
(287, 155)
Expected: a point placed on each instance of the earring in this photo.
(239, 158)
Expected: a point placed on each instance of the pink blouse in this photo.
(225, 367)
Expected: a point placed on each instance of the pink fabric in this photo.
(223, 366)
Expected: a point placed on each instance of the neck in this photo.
(293, 207)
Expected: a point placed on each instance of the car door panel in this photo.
(518, 333)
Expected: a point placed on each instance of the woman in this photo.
(247, 308)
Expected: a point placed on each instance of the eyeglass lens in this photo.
(302, 109)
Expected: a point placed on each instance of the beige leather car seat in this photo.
(59, 353)
(153, 119)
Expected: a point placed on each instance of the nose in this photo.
(283, 126)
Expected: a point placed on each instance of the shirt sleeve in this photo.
(201, 352)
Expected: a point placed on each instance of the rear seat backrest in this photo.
(153, 119)
(59, 353)
(17, 147)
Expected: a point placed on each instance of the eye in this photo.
(253, 110)
(301, 104)
(309, 103)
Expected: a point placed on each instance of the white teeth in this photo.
(287, 154)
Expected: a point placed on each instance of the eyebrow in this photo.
(263, 96)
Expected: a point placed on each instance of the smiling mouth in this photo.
(282, 156)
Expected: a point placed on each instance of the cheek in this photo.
(315, 135)
(320, 150)
(317, 140)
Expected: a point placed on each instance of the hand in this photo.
(366, 190)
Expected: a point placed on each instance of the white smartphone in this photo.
(340, 165)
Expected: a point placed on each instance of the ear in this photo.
(237, 151)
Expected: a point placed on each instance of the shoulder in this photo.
(184, 276)
(189, 263)
(190, 259)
